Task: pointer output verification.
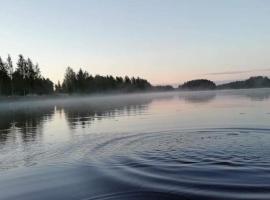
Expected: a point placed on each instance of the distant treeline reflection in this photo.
(24, 120)
(25, 123)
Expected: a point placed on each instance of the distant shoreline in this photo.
(11, 99)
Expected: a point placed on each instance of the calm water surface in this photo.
(192, 145)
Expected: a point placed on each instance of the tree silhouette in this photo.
(10, 70)
(69, 80)
(4, 78)
(252, 82)
(26, 79)
(199, 84)
(82, 82)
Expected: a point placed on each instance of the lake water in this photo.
(180, 145)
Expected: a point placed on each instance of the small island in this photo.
(199, 84)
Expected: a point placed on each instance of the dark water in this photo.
(207, 145)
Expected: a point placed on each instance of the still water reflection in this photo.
(189, 145)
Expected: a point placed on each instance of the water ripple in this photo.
(216, 163)
(138, 195)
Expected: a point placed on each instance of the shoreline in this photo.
(12, 99)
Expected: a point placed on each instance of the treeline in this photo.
(204, 84)
(23, 79)
(252, 82)
(83, 82)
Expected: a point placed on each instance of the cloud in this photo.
(238, 72)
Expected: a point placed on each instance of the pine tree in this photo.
(69, 80)
(4, 79)
(10, 73)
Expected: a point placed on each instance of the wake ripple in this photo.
(205, 164)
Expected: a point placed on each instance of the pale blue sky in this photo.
(165, 41)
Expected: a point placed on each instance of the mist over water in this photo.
(174, 145)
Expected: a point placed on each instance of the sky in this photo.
(164, 41)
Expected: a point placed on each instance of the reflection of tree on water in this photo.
(23, 124)
(252, 94)
(83, 114)
(3, 136)
(198, 97)
(259, 95)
